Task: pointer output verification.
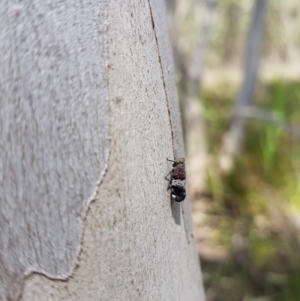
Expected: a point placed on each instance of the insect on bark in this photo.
(176, 178)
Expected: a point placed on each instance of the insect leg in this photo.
(170, 160)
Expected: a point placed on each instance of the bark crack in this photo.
(163, 78)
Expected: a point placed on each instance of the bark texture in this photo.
(88, 114)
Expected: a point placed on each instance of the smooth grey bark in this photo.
(52, 118)
(88, 113)
(233, 138)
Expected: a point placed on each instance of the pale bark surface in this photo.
(88, 114)
(53, 133)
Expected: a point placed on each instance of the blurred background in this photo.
(238, 77)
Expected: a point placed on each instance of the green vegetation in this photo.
(248, 222)
(256, 209)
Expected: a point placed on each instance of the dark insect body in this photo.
(177, 180)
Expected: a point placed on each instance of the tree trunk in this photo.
(88, 115)
(233, 138)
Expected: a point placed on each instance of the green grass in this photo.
(257, 201)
